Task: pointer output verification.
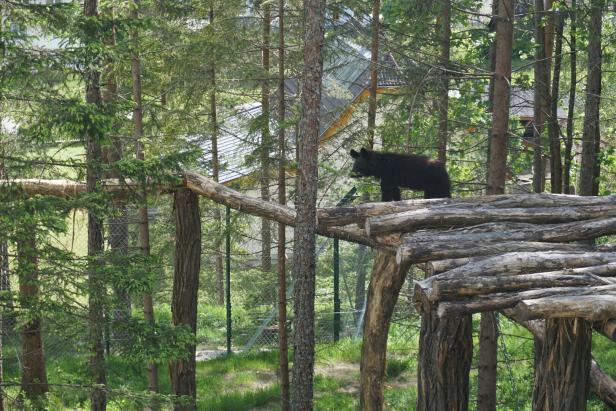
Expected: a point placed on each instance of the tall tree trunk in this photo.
(591, 136)
(220, 280)
(500, 112)
(561, 381)
(492, 53)
(266, 229)
(374, 77)
(143, 233)
(571, 107)
(443, 98)
(96, 285)
(556, 171)
(487, 362)
(305, 230)
(497, 166)
(549, 35)
(186, 266)
(33, 374)
(385, 284)
(360, 286)
(283, 358)
(541, 102)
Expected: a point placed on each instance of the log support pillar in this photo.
(445, 353)
(385, 284)
(562, 376)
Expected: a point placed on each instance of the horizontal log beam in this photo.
(528, 262)
(503, 300)
(467, 287)
(588, 307)
(357, 215)
(493, 232)
(280, 213)
(437, 267)
(454, 249)
(63, 188)
(455, 217)
(222, 194)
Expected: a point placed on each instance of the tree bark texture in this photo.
(33, 374)
(266, 229)
(445, 353)
(283, 359)
(500, 301)
(443, 97)
(451, 217)
(486, 372)
(600, 383)
(454, 250)
(556, 171)
(385, 284)
(471, 286)
(542, 97)
(374, 76)
(305, 224)
(497, 232)
(96, 285)
(587, 307)
(591, 135)
(500, 113)
(524, 263)
(565, 363)
(143, 230)
(187, 263)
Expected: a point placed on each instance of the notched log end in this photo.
(421, 300)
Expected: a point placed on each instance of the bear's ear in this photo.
(354, 154)
(365, 153)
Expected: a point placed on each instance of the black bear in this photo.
(402, 170)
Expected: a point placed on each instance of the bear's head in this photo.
(365, 164)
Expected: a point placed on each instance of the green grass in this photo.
(249, 381)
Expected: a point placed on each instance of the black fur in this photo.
(402, 170)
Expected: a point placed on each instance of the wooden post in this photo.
(336, 290)
(385, 284)
(565, 360)
(228, 276)
(445, 353)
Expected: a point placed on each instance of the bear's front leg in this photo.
(389, 192)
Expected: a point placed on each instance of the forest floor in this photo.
(249, 381)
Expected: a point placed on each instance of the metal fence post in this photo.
(336, 290)
(228, 275)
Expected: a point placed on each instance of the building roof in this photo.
(346, 76)
(522, 104)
